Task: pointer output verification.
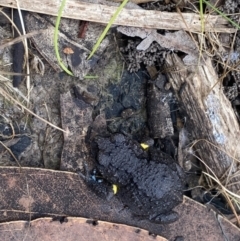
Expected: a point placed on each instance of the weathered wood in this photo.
(130, 17)
(209, 117)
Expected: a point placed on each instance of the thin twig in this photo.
(9, 97)
(20, 38)
(9, 150)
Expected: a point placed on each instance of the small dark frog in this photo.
(150, 184)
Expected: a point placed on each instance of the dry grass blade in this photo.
(195, 142)
(20, 38)
(11, 99)
(229, 195)
(9, 150)
(9, 87)
(10, 21)
(11, 73)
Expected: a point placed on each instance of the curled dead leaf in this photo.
(69, 228)
(67, 187)
(68, 50)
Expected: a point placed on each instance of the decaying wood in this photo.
(159, 114)
(209, 117)
(129, 17)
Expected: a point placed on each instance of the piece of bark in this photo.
(209, 117)
(178, 40)
(128, 17)
(159, 115)
(76, 117)
(30, 193)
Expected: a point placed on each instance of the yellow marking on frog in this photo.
(115, 189)
(144, 146)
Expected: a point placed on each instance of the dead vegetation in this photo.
(197, 82)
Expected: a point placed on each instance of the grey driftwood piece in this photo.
(159, 114)
(101, 13)
(209, 117)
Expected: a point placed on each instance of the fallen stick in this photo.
(129, 17)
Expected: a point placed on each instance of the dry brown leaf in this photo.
(68, 50)
(29, 193)
(178, 40)
(72, 229)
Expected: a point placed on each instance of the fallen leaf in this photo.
(178, 40)
(51, 193)
(72, 229)
(68, 50)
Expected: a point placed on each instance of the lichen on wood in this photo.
(209, 117)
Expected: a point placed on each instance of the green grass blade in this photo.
(222, 14)
(202, 15)
(202, 29)
(56, 38)
(113, 18)
(90, 77)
